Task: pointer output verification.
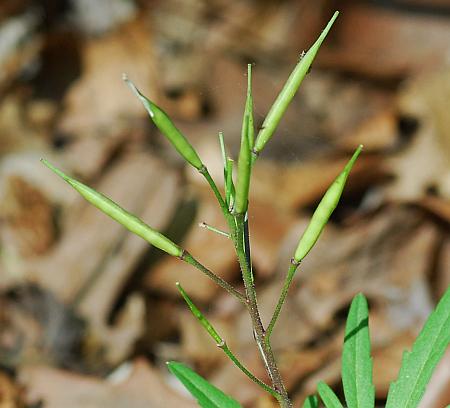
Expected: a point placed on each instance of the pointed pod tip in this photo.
(48, 164)
(139, 94)
(177, 284)
(131, 85)
(57, 171)
(335, 16)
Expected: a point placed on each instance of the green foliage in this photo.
(327, 395)
(356, 360)
(311, 402)
(117, 213)
(205, 393)
(418, 364)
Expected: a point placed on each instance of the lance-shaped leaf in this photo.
(311, 402)
(324, 210)
(289, 90)
(206, 394)
(418, 364)
(117, 213)
(245, 153)
(356, 360)
(168, 129)
(328, 396)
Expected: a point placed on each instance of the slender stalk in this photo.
(281, 300)
(241, 367)
(204, 171)
(258, 329)
(188, 258)
(214, 229)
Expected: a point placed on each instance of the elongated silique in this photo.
(324, 210)
(289, 90)
(117, 213)
(167, 128)
(245, 153)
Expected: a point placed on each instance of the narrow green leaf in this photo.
(418, 364)
(167, 128)
(245, 153)
(289, 90)
(324, 210)
(328, 396)
(117, 213)
(199, 315)
(207, 395)
(356, 360)
(311, 402)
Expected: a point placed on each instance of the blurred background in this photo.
(89, 314)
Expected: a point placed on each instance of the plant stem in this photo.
(205, 173)
(214, 229)
(281, 300)
(188, 258)
(239, 234)
(264, 347)
(241, 367)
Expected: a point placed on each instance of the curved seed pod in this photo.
(168, 129)
(324, 210)
(245, 153)
(289, 90)
(117, 213)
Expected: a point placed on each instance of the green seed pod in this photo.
(230, 191)
(202, 319)
(324, 210)
(129, 221)
(245, 153)
(289, 90)
(167, 128)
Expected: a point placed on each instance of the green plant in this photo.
(357, 363)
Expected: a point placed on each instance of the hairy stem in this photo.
(188, 258)
(258, 329)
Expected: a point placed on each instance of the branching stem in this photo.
(241, 367)
(188, 258)
(238, 228)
